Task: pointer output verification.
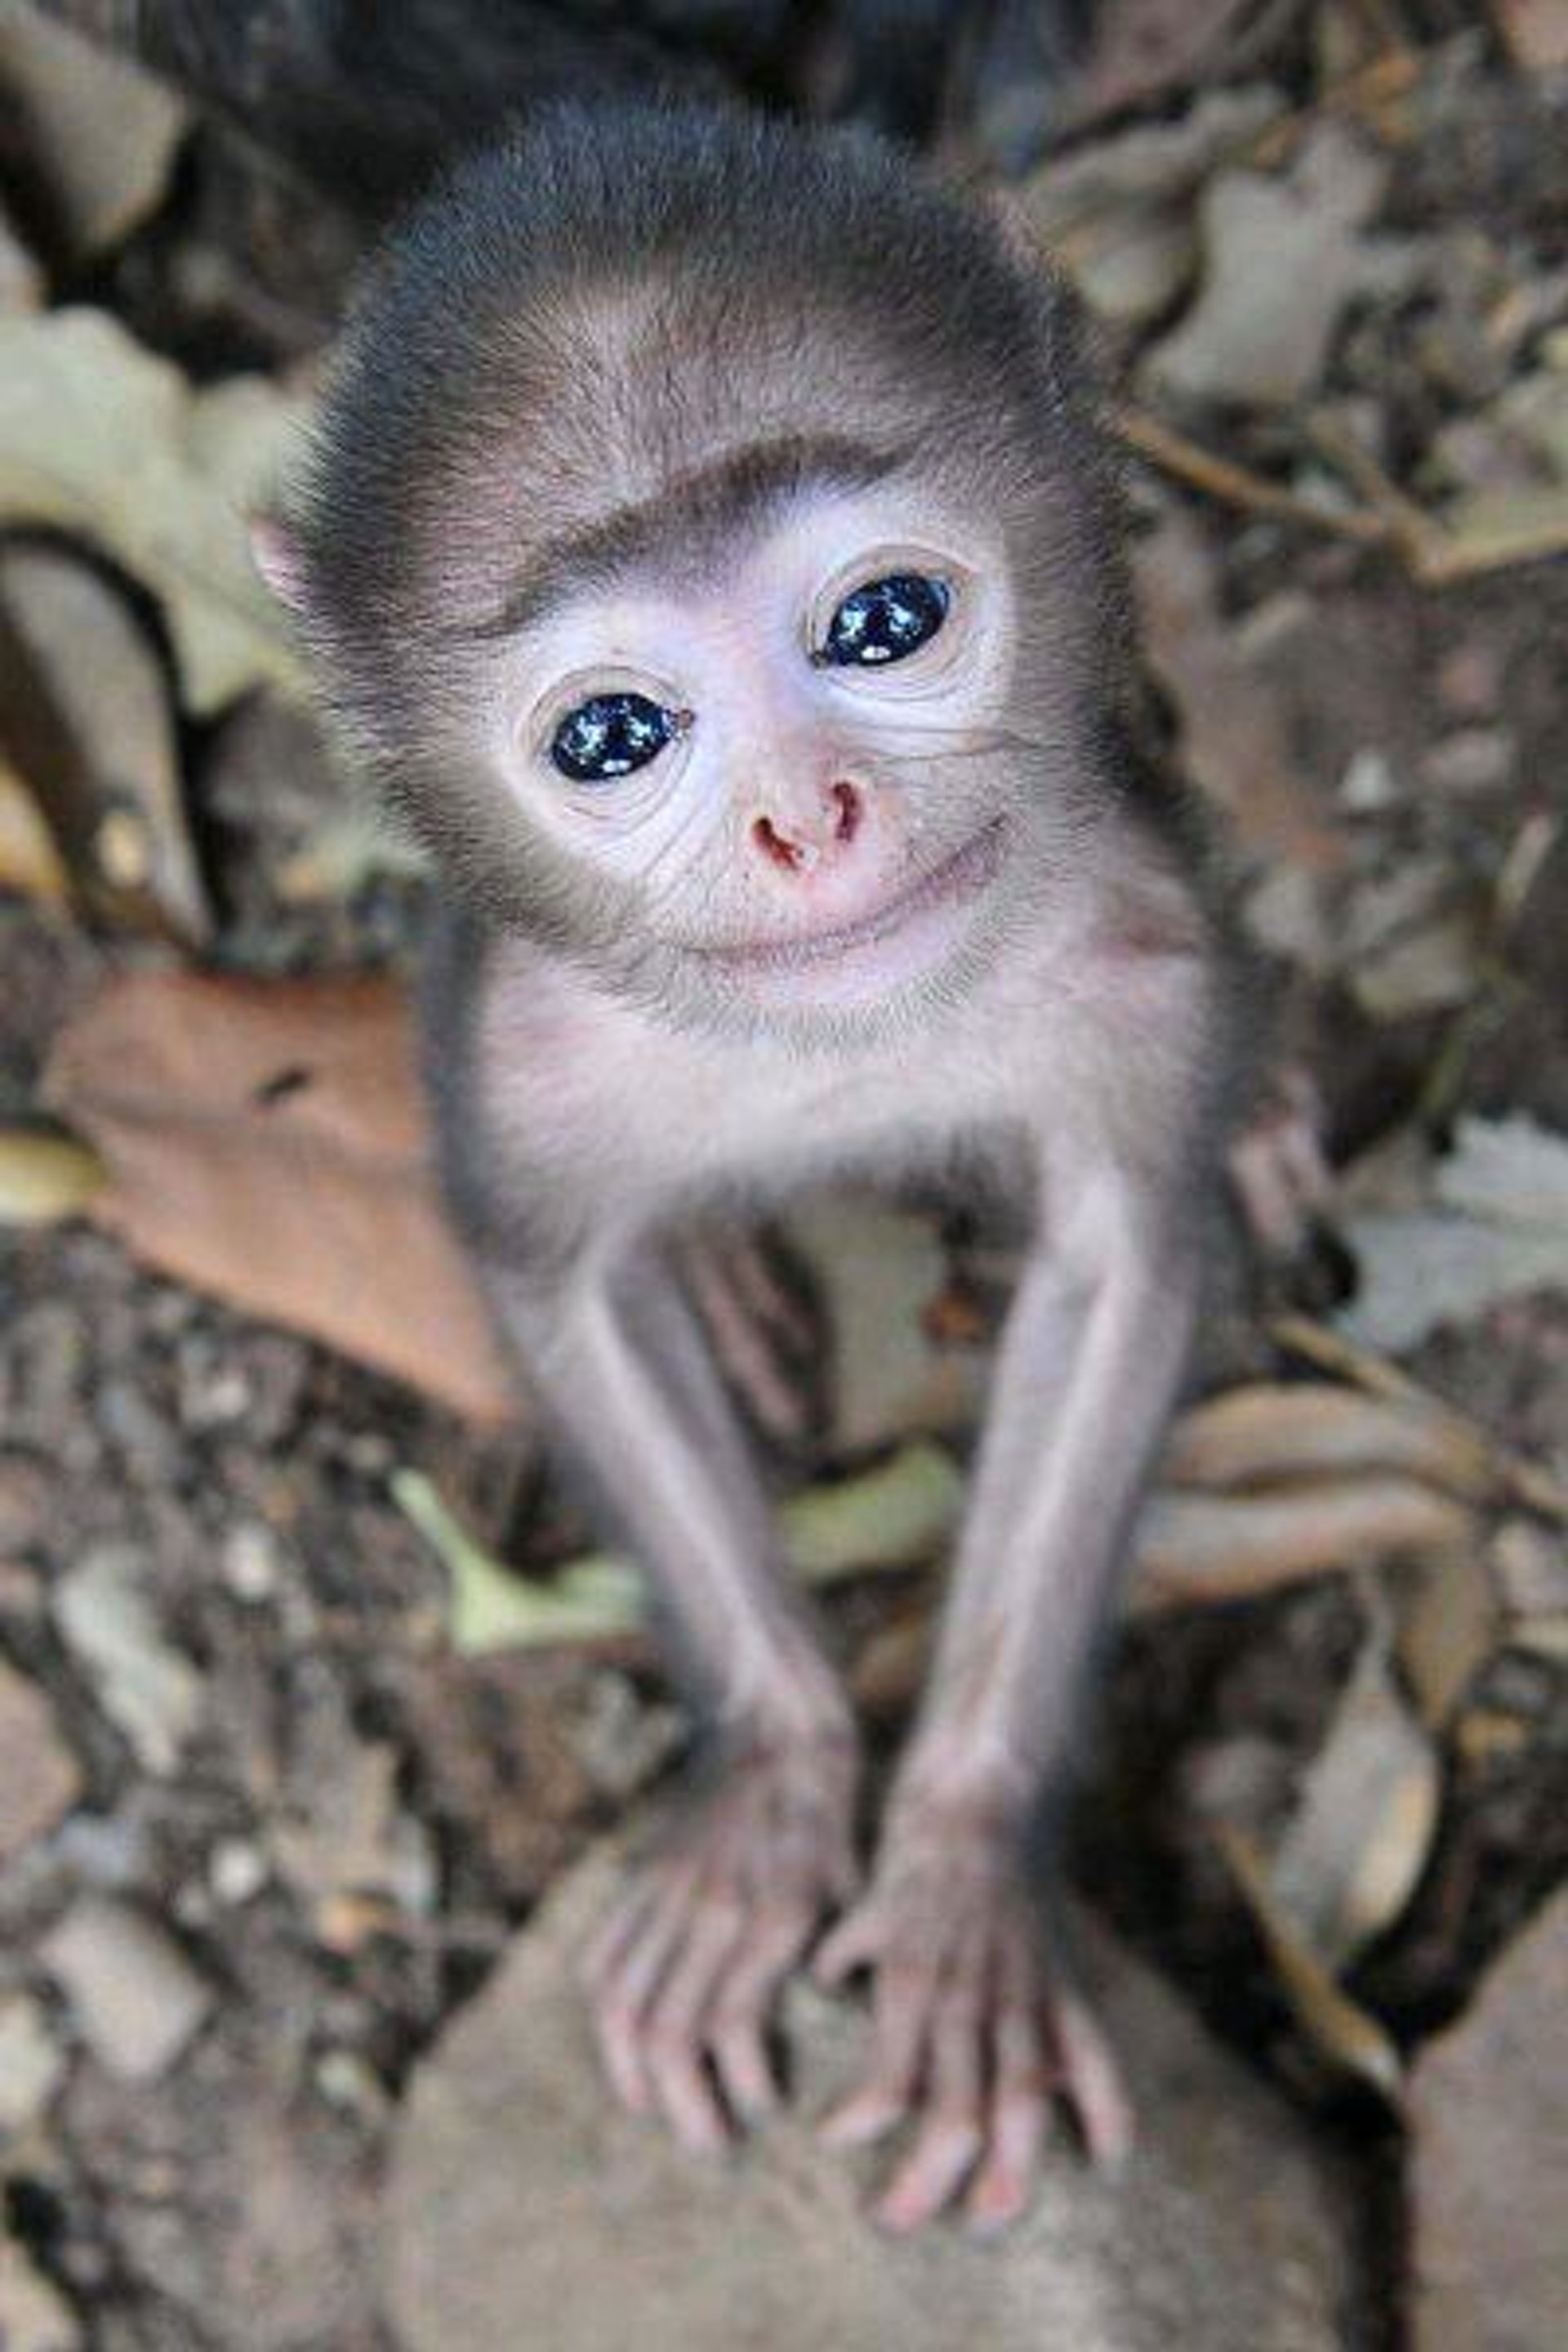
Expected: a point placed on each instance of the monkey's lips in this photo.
(902, 938)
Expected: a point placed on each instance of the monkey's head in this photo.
(709, 540)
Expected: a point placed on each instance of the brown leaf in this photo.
(1142, 47)
(1269, 1431)
(267, 1140)
(1359, 1840)
(1536, 33)
(1233, 733)
(1215, 1548)
(1342, 2030)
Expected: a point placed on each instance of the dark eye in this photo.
(885, 620)
(610, 735)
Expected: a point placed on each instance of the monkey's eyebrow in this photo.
(688, 522)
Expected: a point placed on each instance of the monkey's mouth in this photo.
(906, 934)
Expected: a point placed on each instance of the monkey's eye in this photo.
(612, 734)
(885, 621)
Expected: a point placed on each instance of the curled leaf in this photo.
(1350, 1860)
(1336, 2024)
(1215, 1548)
(1272, 1432)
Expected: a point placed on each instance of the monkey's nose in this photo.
(801, 846)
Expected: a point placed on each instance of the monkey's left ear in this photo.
(276, 554)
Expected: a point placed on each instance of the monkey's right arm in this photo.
(689, 1964)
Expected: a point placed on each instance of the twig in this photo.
(1434, 557)
(1188, 462)
(1524, 1482)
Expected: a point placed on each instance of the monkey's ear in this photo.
(277, 556)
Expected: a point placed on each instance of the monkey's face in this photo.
(783, 778)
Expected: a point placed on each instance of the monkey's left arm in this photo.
(975, 2021)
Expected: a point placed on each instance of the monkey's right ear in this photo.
(276, 554)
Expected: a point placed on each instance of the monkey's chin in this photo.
(894, 952)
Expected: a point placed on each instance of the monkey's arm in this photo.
(974, 2021)
(688, 1966)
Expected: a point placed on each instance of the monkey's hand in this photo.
(976, 2028)
(685, 1972)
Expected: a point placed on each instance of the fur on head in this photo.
(619, 394)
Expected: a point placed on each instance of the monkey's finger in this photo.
(852, 1944)
(1020, 2114)
(617, 1929)
(628, 1986)
(1092, 2080)
(672, 2042)
(950, 2137)
(905, 1998)
(741, 2012)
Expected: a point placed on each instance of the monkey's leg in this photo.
(685, 1970)
(976, 2022)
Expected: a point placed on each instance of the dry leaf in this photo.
(30, 862)
(102, 439)
(44, 1178)
(1498, 1225)
(1344, 2033)
(266, 1141)
(1448, 1629)
(1278, 1431)
(1144, 46)
(100, 753)
(98, 133)
(892, 1516)
(1282, 260)
(1358, 1842)
(1536, 32)
(1194, 1548)
(1234, 744)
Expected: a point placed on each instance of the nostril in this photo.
(847, 801)
(775, 845)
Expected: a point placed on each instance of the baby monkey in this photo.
(710, 542)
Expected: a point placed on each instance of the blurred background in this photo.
(311, 1685)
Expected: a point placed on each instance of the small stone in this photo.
(1368, 787)
(33, 2316)
(236, 1871)
(150, 1691)
(1471, 760)
(136, 1997)
(252, 1561)
(39, 1778)
(32, 2063)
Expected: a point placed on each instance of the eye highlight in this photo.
(885, 621)
(612, 735)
